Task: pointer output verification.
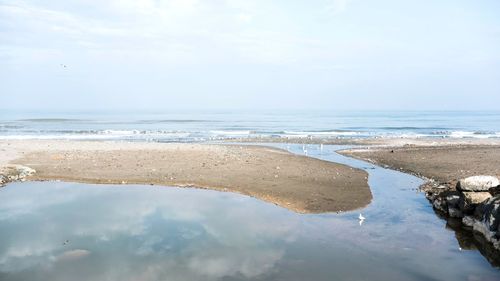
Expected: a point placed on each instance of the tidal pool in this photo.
(72, 231)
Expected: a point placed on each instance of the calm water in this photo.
(201, 126)
(69, 231)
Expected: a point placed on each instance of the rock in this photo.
(468, 221)
(465, 239)
(440, 205)
(495, 190)
(479, 211)
(469, 202)
(478, 183)
(455, 212)
(482, 228)
(491, 216)
(475, 198)
(452, 200)
(489, 224)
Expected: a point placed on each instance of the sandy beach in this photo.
(440, 159)
(374, 141)
(443, 162)
(299, 183)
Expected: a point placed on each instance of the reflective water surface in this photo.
(72, 231)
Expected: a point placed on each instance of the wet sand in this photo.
(299, 183)
(442, 162)
(375, 141)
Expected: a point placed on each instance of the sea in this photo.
(201, 125)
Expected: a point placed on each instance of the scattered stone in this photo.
(10, 173)
(478, 183)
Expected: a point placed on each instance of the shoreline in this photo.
(298, 183)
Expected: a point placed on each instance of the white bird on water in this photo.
(361, 219)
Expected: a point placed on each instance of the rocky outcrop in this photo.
(487, 220)
(10, 173)
(474, 201)
(478, 183)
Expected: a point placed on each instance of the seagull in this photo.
(361, 219)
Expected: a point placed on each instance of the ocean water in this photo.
(72, 231)
(181, 126)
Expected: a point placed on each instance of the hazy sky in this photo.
(337, 54)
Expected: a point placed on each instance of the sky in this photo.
(235, 54)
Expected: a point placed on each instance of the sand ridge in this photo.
(299, 183)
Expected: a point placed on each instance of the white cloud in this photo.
(337, 6)
(173, 31)
(245, 18)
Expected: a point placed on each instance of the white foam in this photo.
(230, 132)
(222, 134)
(324, 133)
(100, 135)
(119, 132)
(468, 134)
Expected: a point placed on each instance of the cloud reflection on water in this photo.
(150, 233)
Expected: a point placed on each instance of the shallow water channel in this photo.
(72, 231)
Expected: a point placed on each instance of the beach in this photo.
(298, 183)
(442, 162)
